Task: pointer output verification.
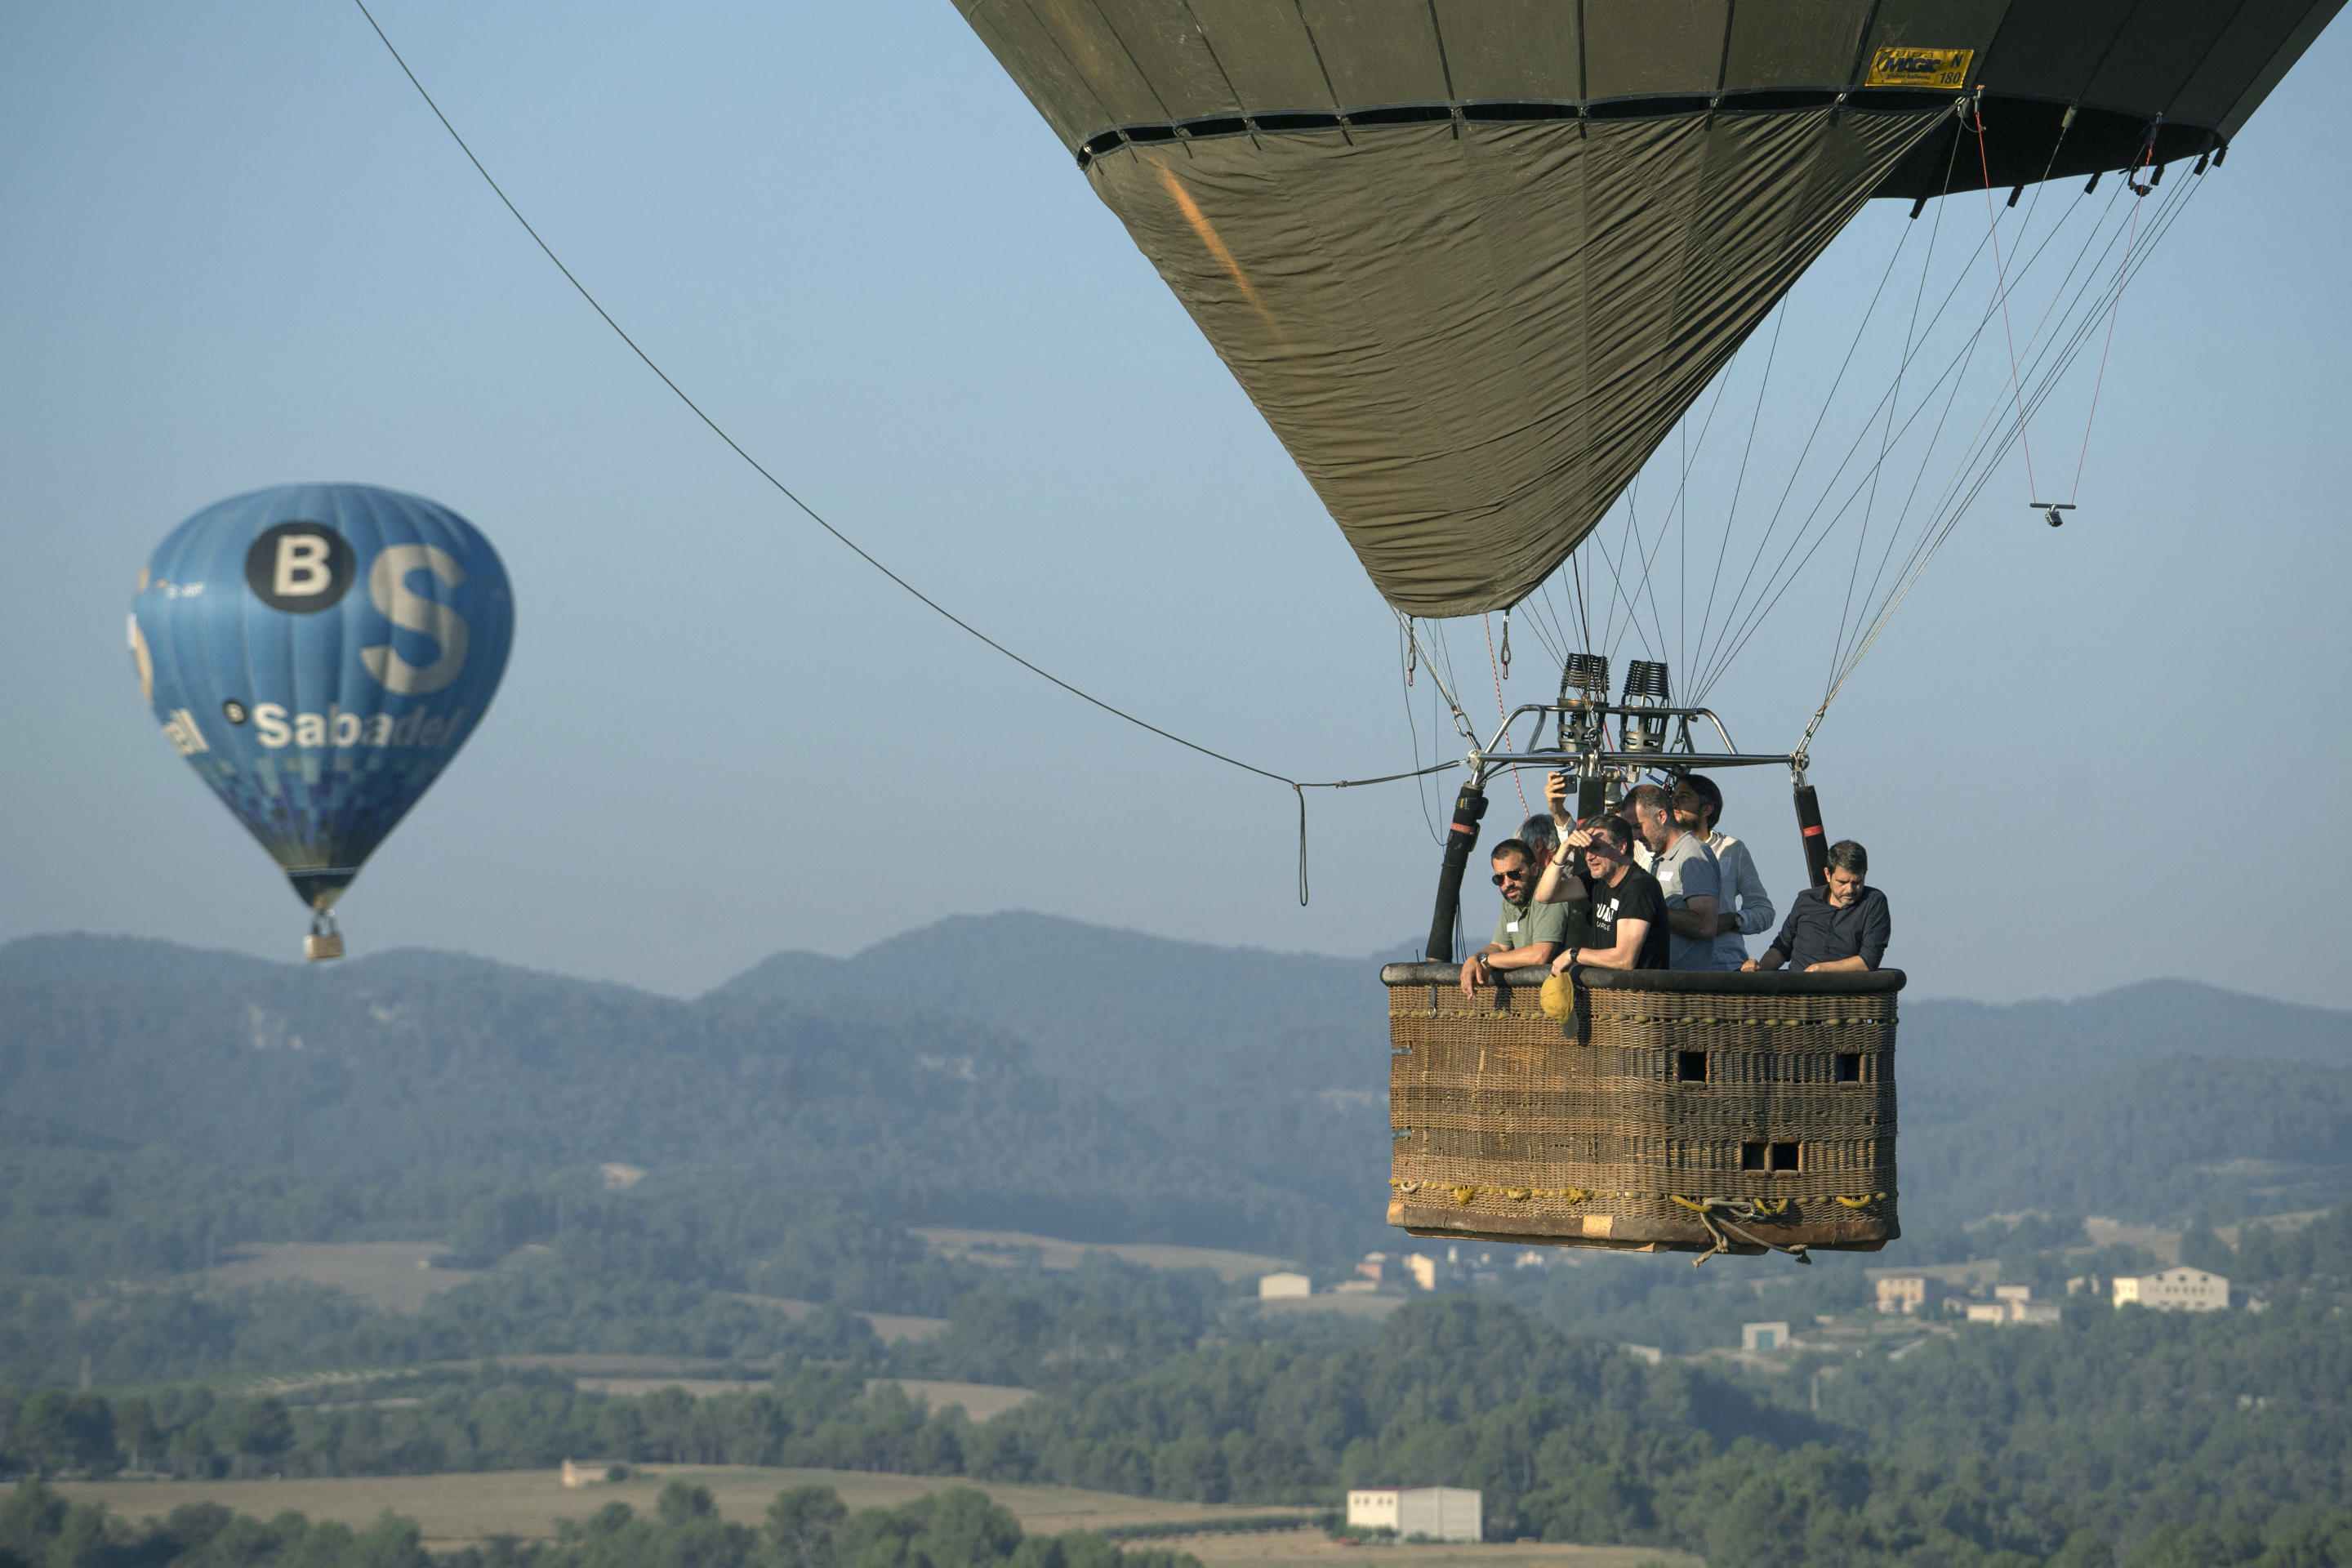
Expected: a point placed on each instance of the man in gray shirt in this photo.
(1743, 908)
(1685, 870)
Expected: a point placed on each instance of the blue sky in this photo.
(241, 253)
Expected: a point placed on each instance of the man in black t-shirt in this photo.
(1629, 909)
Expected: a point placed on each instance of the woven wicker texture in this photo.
(1588, 1132)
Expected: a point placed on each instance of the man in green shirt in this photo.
(1527, 933)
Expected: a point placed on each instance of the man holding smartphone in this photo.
(1622, 908)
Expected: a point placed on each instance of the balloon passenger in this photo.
(1685, 872)
(1627, 912)
(1842, 927)
(1743, 908)
(1541, 837)
(1527, 933)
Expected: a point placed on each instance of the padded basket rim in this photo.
(1737, 983)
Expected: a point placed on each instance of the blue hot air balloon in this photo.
(318, 653)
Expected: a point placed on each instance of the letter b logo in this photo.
(300, 567)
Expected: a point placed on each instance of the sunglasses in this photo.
(1520, 875)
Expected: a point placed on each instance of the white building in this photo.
(2175, 1289)
(2013, 1304)
(1440, 1513)
(1423, 1270)
(1284, 1284)
(1762, 1338)
(1901, 1292)
(593, 1472)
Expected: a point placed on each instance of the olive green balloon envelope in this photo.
(1468, 391)
(1472, 259)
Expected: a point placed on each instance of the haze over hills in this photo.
(1024, 1073)
(2174, 1079)
(418, 1066)
(1027, 1072)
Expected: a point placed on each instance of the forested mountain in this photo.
(2147, 1102)
(1020, 1072)
(1276, 1060)
(1027, 1072)
(413, 1066)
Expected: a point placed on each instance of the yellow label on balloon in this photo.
(1934, 69)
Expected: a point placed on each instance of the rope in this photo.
(1419, 790)
(1502, 707)
(1885, 441)
(1992, 225)
(1711, 661)
(1731, 512)
(1935, 439)
(2116, 309)
(1986, 457)
(1298, 787)
(1941, 520)
(1717, 1214)
(1462, 725)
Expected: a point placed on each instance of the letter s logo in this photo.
(388, 586)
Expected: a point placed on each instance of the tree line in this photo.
(806, 1527)
(2110, 1439)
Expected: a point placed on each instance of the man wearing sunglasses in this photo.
(1527, 933)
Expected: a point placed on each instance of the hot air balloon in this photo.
(1473, 260)
(319, 653)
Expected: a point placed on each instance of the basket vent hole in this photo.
(1849, 1067)
(1690, 1066)
(1784, 1156)
(1751, 1156)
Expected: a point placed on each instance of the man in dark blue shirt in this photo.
(1843, 926)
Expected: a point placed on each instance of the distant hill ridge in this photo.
(1025, 1070)
(1015, 971)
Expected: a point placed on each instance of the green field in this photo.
(454, 1510)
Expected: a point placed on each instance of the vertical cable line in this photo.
(1716, 663)
(1993, 223)
(1885, 440)
(1781, 581)
(2076, 491)
(2058, 354)
(1777, 587)
(1731, 512)
(1774, 522)
(1935, 439)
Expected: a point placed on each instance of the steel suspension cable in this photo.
(1983, 470)
(1784, 577)
(1298, 786)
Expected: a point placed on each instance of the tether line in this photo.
(1298, 786)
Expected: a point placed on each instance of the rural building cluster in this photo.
(1966, 1290)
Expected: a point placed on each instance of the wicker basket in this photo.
(1674, 1112)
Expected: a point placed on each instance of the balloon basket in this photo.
(324, 940)
(1672, 1111)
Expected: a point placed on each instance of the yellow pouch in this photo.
(1558, 998)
